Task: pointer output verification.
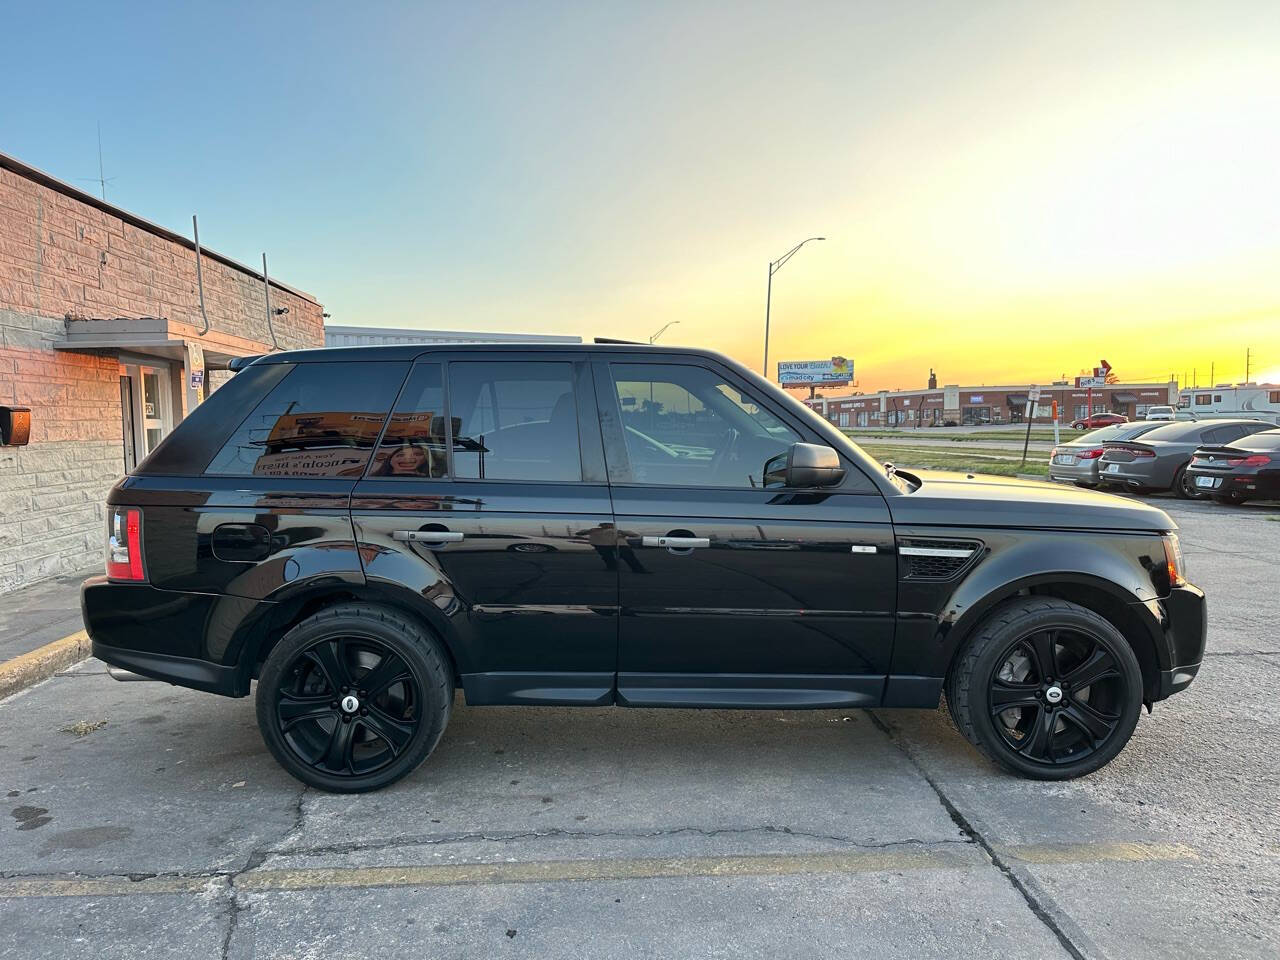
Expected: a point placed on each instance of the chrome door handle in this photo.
(428, 537)
(676, 543)
(863, 548)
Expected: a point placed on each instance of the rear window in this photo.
(321, 420)
(1176, 432)
(1268, 440)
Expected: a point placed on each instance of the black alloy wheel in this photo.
(1046, 688)
(353, 698)
(1057, 696)
(1185, 486)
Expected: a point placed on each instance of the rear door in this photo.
(732, 593)
(487, 495)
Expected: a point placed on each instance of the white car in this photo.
(1160, 413)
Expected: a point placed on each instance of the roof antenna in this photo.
(266, 288)
(195, 228)
(101, 179)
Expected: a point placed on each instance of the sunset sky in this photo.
(1009, 191)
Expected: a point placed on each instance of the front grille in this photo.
(930, 559)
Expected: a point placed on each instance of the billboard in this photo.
(836, 372)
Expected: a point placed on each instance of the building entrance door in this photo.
(146, 399)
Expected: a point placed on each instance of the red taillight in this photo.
(1092, 454)
(1143, 453)
(1255, 460)
(124, 544)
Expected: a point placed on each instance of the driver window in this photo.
(685, 426)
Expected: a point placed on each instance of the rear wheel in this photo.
(354, 698)
(1185, 486)
(1046, 688)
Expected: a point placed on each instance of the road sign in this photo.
(1034, 393)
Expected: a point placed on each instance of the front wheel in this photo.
(353, 698)
(1046, 688)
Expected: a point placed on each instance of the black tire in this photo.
(320, 721)
(1183, 486)
(1085, 729)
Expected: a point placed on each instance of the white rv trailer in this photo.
(1260, 401)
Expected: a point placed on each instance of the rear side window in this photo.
(187, 450)
(514, 420)
(320, 421)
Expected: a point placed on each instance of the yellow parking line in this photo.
(100, 886)
(30, 668)
(1051, 853)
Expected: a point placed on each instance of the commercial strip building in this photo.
(103, 337)
(990, 404)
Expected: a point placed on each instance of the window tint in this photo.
(514, 420)
(414, 444)
(1175, 432)
(1268, 440)
(684, 426)
(319, 421)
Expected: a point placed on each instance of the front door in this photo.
(733, 593)
(493, 504)
(149, 417)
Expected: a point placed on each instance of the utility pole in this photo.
(1248, 362)
(1212, 378)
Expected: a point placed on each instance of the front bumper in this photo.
(1185, 623)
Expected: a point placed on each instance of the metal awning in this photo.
(1125, 397)
(154, 337)
(1017, 399)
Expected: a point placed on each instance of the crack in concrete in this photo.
(1076, 946)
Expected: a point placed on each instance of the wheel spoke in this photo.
(395, 733)
(337, 755)
(1099, 665)
(1043, 650)
(294, 710)
(329, 654)
(390, 669)
(1038, 743)
(1005, 696)
(1097, 726)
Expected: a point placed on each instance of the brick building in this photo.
(998, 404)
(103, 338)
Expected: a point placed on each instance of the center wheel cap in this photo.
(350, 704)
(1053, 695)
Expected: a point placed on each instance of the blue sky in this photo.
(603, 168)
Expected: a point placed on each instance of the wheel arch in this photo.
(1123, 611)
(259, 636)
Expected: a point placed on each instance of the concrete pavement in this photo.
(611, 832)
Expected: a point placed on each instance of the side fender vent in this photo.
(921, 559)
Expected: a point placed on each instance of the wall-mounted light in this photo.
(15, 426)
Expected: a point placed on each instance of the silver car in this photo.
(1077, 461)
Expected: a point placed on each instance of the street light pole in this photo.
(774, 267)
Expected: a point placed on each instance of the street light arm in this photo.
(663, 330)
(777, 264)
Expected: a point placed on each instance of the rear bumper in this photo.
(1128, 476)
(1080, 472)
(183, 671)
(1263, 484)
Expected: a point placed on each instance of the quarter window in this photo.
(514, 420)
(685, 426)
(319, 421)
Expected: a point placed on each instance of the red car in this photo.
(1099, 420)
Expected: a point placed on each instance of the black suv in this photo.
(364, 530)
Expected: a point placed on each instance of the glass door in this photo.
(150, 397)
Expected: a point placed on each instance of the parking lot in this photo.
(145, 816)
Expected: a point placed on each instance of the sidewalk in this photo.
(33, 621)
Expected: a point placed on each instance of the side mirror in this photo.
(804, 465)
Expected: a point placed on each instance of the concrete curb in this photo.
(43, 662)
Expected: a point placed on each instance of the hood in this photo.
(978, 500)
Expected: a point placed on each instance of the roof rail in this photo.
(630, 343)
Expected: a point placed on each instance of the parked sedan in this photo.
(1245, 469)
(1159, 459)
(1077, 462)
(1098, 420)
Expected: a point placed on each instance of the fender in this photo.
(1114, 571)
